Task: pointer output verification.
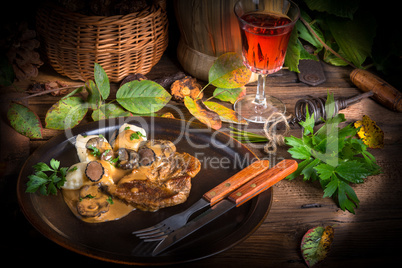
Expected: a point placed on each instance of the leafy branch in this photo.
(143, 97)
(340, 31)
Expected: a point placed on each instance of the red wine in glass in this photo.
(265, 28)
(264, 47)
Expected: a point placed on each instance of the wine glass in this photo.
(265, 27)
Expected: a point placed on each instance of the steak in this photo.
(163, 183)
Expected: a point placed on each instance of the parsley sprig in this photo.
(333, 156)
(47, 184)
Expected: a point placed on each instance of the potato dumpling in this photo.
(75, 176)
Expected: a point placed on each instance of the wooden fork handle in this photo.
(243, 176)
(263, 181)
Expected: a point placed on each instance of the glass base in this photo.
(258, 113)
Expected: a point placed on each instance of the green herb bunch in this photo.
(47, 184)
(333, 156)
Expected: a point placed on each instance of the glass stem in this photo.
(260, 95)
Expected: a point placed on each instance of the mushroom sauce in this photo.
(111, 180)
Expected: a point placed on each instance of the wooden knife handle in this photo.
(263, 181)
(225, 188)
(384, 93)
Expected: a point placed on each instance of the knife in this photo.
(237, 198)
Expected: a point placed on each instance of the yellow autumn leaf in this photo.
(225, 114)
(203, 113)
(370, 133)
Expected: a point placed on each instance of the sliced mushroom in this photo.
(123, 154)
(94, 171)
(128, 158)
(92, 201)
(98, 145)
(96, 142)
(146, 156)
(107, 155)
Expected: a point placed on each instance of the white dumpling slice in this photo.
(75, 177)
(80, 144)
(134, 128)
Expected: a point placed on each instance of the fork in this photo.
(160, 230)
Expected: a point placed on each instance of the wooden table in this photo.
(370, 238)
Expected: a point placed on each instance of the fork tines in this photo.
(154, 233)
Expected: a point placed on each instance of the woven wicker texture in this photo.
(132, 43)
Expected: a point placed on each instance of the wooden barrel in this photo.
(208, 29)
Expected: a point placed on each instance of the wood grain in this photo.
(263, 181)
(243, 176)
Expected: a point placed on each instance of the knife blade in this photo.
(254, 187)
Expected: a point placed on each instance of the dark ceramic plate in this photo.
(220, 156)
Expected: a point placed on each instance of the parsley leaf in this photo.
(136, 135)
(332, 156)
(44, 183)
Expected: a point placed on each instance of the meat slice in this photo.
(165, 185)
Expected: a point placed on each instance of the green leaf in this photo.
(72, 93)
(228, 71)
(35, 182)
(300, 152)
(51, 189)
(102, 81)
(142, 97)
(55, 164)
(330, 58)
(110, 110)
(316, 244)
(24, 121)
(341, 8)
(231, 95)
(354, 38)
(293, 141)
(352, 171)
(325, 171)
(66, 113)
(308, 171)
(300, 168)
(331, 187)
(306, 35)
(292, 56)
(42, 167)
(94, 97)
(308, 123)
(347, 197)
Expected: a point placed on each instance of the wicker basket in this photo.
(121, 44)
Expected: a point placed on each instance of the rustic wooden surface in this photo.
(371, 238)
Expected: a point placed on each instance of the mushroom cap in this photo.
(92, 202)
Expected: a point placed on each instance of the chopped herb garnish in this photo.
(47, 184)
(72, 169)
(94, 151)
(136, 135)
(89, 196)
(110, 200)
